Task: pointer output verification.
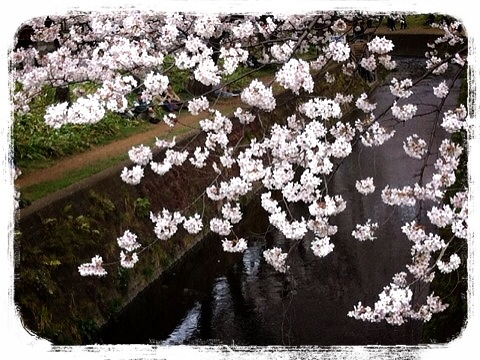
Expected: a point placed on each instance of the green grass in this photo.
(40, 147)
(37, 191)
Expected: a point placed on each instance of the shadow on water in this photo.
(213, 297)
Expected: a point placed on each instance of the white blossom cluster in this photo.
(245, 117)
(452, 265)
(276, 258)
(366, 231)
(321, 108)
(256, 94)
(374, 135)
(94, 268)
(199, 157)
(232, 57)
(220, 226)
(401, 89)
(128, 241)
(237, 245)
(206, 26)
(231, 190)
(451, 33)
(400, 197)
(243, 30)
(395, 305)
(193, 224)
(436, 65)
(87, 110)
(380, 45)
(141, 154)
(128, 260)
(132, 176)
(338, 51)
(170, 119)
(424, 246)
(387, 62)
(207, 72)
(321, 247)
(441, 90)
(164, 144)
(166, 223)
(217, 130)
(156, 83)
(415, 147)
(363, 104)
(197, 105)
(294, 75)
(454, 216)
(454, 121)
(343, 99)
(369, 63)
(405, 112)
(282, 52)
(318, 63)
(365, 186)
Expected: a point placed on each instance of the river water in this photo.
(213, 297)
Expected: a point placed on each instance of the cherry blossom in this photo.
(380, 45)
(276, 258)
(363, 104)
(295, 74)
(452, 265)
(365, 186)
(366, 231)
(338, 51)
(401, 89)
(237, 245)
(292, 158)
(128, 241)
(128, 260)
(94, 268)
(405, 112)
(322, 247)
(197, 105)
(140, 155)
(132, 176)
(441, 90)
(193, 224)
(415, 147)
(258, 95)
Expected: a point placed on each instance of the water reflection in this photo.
(186, 329)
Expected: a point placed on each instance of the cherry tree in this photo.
(290, 161)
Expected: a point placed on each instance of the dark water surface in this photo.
(215, 298)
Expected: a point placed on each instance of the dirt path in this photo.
(65, 165)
